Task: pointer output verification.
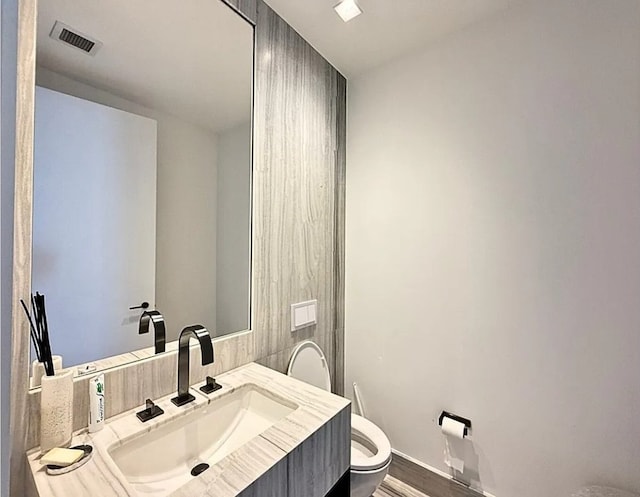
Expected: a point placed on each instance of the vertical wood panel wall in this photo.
(294, 182)
(339, 249)
(298, 203)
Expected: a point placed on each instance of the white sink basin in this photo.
(160, 461)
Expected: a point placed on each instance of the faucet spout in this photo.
(157, 320)
(201, 334)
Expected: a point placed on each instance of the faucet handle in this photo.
(210, 386)
(152, 411)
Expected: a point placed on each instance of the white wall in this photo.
(233, 253)
(8, 37)
(493, 246)
(186, 199)
(186, 268)
(100, 174)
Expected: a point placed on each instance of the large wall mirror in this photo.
(142, 171)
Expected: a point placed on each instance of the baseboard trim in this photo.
(428, 480)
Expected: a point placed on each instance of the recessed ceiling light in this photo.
(348, 9)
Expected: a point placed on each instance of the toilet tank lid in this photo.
(309, 364)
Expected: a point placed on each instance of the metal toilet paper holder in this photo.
(466, 422)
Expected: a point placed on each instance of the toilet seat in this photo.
(363, 430)
(309, 364)
(370, 447)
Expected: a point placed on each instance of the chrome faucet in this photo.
(206, 347)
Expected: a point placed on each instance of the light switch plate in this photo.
(303, 314)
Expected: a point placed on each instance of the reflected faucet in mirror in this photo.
(158, 328)
(206, 348)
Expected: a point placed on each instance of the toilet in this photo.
(370, 447)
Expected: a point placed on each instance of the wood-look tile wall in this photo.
(340, 217)
(298, 225)
(246, 8)
(295, 183)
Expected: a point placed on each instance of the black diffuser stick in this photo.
(41, 345)
(44, 333)
(32, 332)
(36, 316)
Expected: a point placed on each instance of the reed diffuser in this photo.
(56, 397)
(40, 332)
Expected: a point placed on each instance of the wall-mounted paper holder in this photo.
(466, 422)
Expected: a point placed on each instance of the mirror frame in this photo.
(22, 229)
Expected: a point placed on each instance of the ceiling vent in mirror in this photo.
(72, 37)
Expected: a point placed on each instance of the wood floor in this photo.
(392, 487)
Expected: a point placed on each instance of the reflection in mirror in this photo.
(141, 171)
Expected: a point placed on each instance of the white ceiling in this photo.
(386, 29)
(190, 58)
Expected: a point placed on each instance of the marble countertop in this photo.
(229, 477)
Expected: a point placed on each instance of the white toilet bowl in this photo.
(370, 456)
(370, 447)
